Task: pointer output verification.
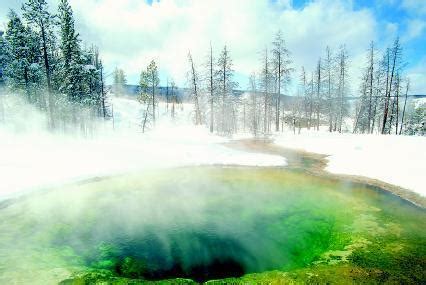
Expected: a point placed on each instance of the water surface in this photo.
(200, 223)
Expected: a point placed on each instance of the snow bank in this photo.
(399, 160)
(37, 159)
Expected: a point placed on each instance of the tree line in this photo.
(321, 99)
(43, 58)
(323, 96)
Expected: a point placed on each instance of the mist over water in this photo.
(140, 214)
(195, 223)
(33, 157)
(199, 223)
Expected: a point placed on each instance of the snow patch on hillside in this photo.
(399, 160)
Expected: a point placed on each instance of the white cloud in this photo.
(130, 33)
(417, 76)
(415, 28)
(415, 6)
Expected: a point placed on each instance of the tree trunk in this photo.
(311, 103)
(167, 96)
(330, 105)
(173, 104)
(47, 67)
(318, 94)
(103, 93)
(145, 119)
(153, 97)
(389, 90)
(342, 94)
(277, 111)
(223, 94)
(194, 82)
(397, 105)
(211, 89)
(371, 86)
(403, 110)
(1, 105)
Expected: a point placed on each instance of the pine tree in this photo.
(4, 58)
(149, 81)
(37, 14)
(119, 81)
(17, 69)
(22, 68)
(71, 73)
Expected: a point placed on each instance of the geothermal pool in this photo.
(208, 223)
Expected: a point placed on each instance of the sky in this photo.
(130, 33)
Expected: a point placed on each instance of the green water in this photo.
(248, 224)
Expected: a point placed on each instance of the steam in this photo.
(32, 157)
(53, 222)
(187, 217)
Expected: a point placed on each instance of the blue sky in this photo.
(130, 33)
(407, 16)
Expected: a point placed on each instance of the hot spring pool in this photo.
(206, 223)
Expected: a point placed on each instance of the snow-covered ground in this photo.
(399, 160)
(33, 159)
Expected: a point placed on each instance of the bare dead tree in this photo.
(394, 56)
(194, 87)
(318, 104)
(281, 61)
(405, 103)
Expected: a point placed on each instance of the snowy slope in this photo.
(399, 160)
(37, 159)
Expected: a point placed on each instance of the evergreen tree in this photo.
(4, 58)
(71, 71)
(17, 69)
(119, 81)
(23, 69)
(37, 14)
(149, 81)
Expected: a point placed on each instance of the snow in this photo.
(89, 67)
(398, 160)
(31, 160)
